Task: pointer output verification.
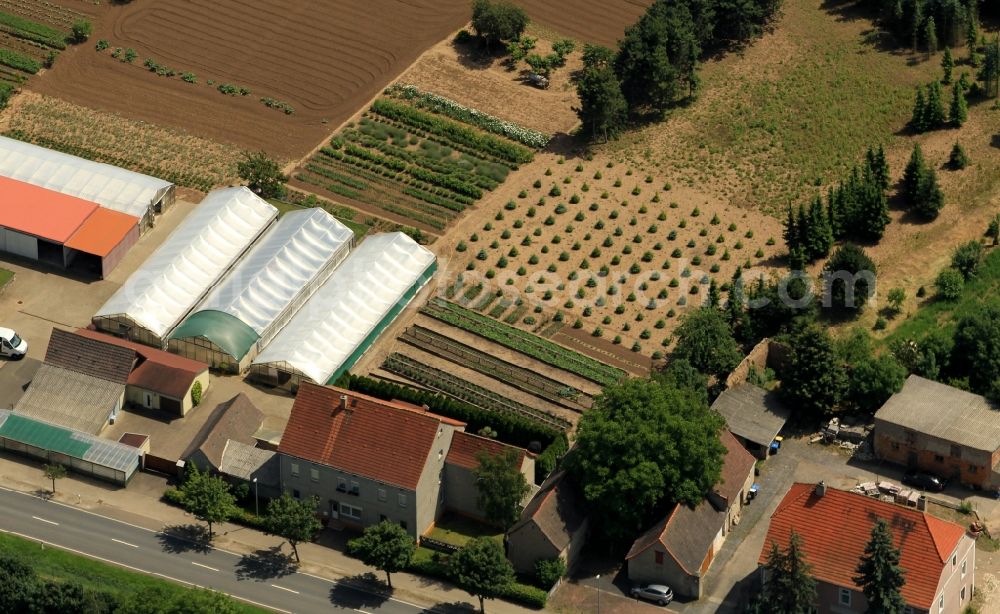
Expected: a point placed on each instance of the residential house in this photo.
(554, 524)
(461, 463)
(366, 459)
(225, 445)
(678, 550)
(940, 429)
(158, 380)
(754, 415)
(835, 526)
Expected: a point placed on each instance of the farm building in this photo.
(117, 189)
(63, 231)
(80, 452)
(754, 415)
(263, 291)
(347, 314)
(213, 237)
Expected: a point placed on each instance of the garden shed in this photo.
(263, 291)
(347, 314)
(124, 191)
(206, 245)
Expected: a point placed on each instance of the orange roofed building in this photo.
(369, 460)
(939, 557)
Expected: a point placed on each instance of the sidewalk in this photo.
(139, 505)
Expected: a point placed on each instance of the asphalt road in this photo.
(264, 579)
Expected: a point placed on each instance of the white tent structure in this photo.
(347, 314)
(111, 187)
(264, 290)
(202, 248)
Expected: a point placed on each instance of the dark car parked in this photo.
(924, 481)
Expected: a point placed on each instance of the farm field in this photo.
(32, 35)
(418, 159)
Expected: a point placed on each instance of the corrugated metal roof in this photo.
(43, 213)
(70, 399)
(102, 232)
(941, 411)
(248, 462)
(75, 444)
(109, 186)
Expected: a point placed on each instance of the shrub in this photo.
(949, 284)
(80, 31)
(189, 77)
(196, 394)
(102, 44)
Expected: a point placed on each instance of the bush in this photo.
(949, 284)
(966, 259)
(81, 31)
(196, 394)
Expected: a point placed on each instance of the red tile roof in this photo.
(89, 356)
(381, 440)
(736, 467)
(161, 372)
(836, 527)
(465, 448)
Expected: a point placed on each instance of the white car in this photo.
(657, 593)
(12, 345)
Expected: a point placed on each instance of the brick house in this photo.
(678, 550)
(942, 430)
(939, 557)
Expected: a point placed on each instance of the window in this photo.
(382, 518)
(381, 494)
(938, 458)
(964, 561)
(963, 594)
(973, 469)
(355, 488)
(659, 558)
(314, 475)
(402, 499)
(908, 610)
(845, 597)
(341, 484)
(956, 451)
(941, 603)
(440, 454)
(349, 511)
(295, 493)
(402, 523)
(295, 470)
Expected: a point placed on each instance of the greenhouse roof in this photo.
(345, 314)
(109, 186)
(66, 441)
(192, 259)
(288, 263)
(228, 332)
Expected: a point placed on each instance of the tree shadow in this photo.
(474, 56)
(265, 564)
(741, 594)
(177, 539)
(454, 607)
(362, 592)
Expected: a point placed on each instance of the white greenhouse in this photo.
(111, 187)
(154, 300)
(263, 291)
(347, 314)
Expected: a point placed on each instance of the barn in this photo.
(63, 231)
(124, 191)
(200, 251)
(263, 291)
(347, 314)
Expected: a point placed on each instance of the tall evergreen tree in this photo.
(916, 19)
(834, 212)
(872, 213)
(879, 573)
(930, 36)
(603, 111)
(791, 232)
(959, 110)
(819, 234)
(739, 320)
(934, 116)
(918, 119)
(947, 65)
(971, 39)
(913, 174)
(790, 587)
(990, 73)
(929, 199)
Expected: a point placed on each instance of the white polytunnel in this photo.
(347, 314)
(157, 296)
(111, 187)
(264, 290)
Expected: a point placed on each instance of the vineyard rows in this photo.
(491, 366)
(457, 388)
(522, 341)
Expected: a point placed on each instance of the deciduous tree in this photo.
(482, 569)
(497, 22)
(976, 352)
(814, 379)
(293, 520)
(879, 573)
(848, 280)
(386, 546)
(54, 472)
(500, 487)
(705, 340)
(262, 174)
(207, 497)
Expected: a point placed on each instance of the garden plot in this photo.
(31, 36)
(607, 249)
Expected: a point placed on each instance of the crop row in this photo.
(454, 110)
(30, 30)
(379, 198)
(444, 142)
(457, 388)
(19, 61)
(43, 11)
(432, 219)
(338, 177)
(435, 124)
(524, 342)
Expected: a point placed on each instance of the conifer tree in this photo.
(958, 159)
(739, 320)
(930, 36)
(881, 168)
(834, 213)
(791, 232)
(916, 19)
(879, 573)
(959, 110)
(913, 174)
(820, 235)
(947, 65)
(934, 116)
(873, 212)
(790, 587)
(714, 298)
(918, 120)
(930, 198)
(972, 39)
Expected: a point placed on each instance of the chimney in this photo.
(820, 489)
(343, 401)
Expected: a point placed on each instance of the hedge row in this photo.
(525, 594)
(453, 131)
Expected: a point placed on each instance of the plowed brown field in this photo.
(325, 59)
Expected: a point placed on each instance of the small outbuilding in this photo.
(553, 525)
(754, 415)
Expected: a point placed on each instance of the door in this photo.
(148, 404)
(5, 349)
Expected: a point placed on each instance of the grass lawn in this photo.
(935, 314)
(5, 277)
(284, 207)
(459, 530)
(58, 565)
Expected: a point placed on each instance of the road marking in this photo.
(285, 589)
(44, 520)
(124, 543)
(205, 566)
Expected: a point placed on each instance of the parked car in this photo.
(12, 345)
(657, 593)
(924, 481)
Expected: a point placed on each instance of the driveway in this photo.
(14, 378)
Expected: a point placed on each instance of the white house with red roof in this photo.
(939, 557)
